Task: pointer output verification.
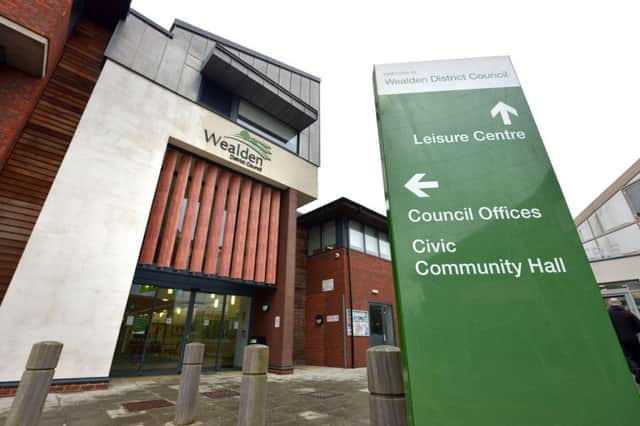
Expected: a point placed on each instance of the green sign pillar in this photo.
(501, 319)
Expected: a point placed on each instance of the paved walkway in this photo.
(311, 396)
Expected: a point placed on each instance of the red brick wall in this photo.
(324, 345)
(300, 296)
(368, 273)
(19, 92)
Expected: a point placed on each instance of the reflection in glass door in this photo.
(130, 346)
(166, 331)
(235, 331)
(206, 323)
(381, 327)
(158, 322)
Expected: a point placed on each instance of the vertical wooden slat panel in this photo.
(173, 215)
(272, 250)
(252, 233)
(204, 215)
(184, 242)
(229, 226)
(240, 239)
(158, 208)
(217, 217)
(263, 235)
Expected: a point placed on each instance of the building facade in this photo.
(149, 181)
(609, 229)
(345, 301)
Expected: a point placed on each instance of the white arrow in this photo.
(416, 186)
(504, 110)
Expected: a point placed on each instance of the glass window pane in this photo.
(314, 241)
(613, 213)
(371, 240)
(385, 248)
(622, 242)
(329, 235)
(584, 230)
(634, 195)
(592, 250)
(356, 238)
(137, 316)
(166, 330)
(267, 126)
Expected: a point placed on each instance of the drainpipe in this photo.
(353, 362)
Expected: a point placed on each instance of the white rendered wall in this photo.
(74, 277)
(621, 269)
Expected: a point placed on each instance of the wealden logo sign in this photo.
(242, 148)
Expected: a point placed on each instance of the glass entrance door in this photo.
(166, 332)
(382, 331)
(158, 323)
(206, 325)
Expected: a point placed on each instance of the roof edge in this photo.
(617, 185)
(151, 23)
(207, 34)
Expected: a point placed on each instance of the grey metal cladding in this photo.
(285, 79)
(150, 52)
(314, 95)
(178, 60)
(273, 72)
(303, 144)
(172, 63)
(189, 86)
(125, 40)
(314, 143)
(260, 65)
(305, 87)
(295, 85)
(198, 47)
(193, 62)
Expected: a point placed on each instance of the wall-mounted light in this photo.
(265, 307)
(319, 319)
(216, 303)
(375, 291)
(233, 300)
(170, 291)
(178, 311)
(337, 255)
(212, 296)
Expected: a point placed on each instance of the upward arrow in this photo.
(504, 110)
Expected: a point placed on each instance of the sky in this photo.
(575, 61)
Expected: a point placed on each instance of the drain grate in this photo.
(323, 394)
(147, 405)
(221, 393)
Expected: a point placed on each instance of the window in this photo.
(585, 231)
(329, 235)
(356, 238)
(633, 192)
(614, 213)
(385, 248)
(215, 97)
(371, 241)
(322, 238)
(267, 126)
(621, 242)
(314, 241)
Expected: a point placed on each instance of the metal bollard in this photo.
(189, 383)
(253, 389)
(387, 405)
(34, 385)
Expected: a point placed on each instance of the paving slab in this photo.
(290, 400)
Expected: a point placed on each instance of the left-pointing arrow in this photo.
(416, 185)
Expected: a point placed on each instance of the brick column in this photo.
(282, 298)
